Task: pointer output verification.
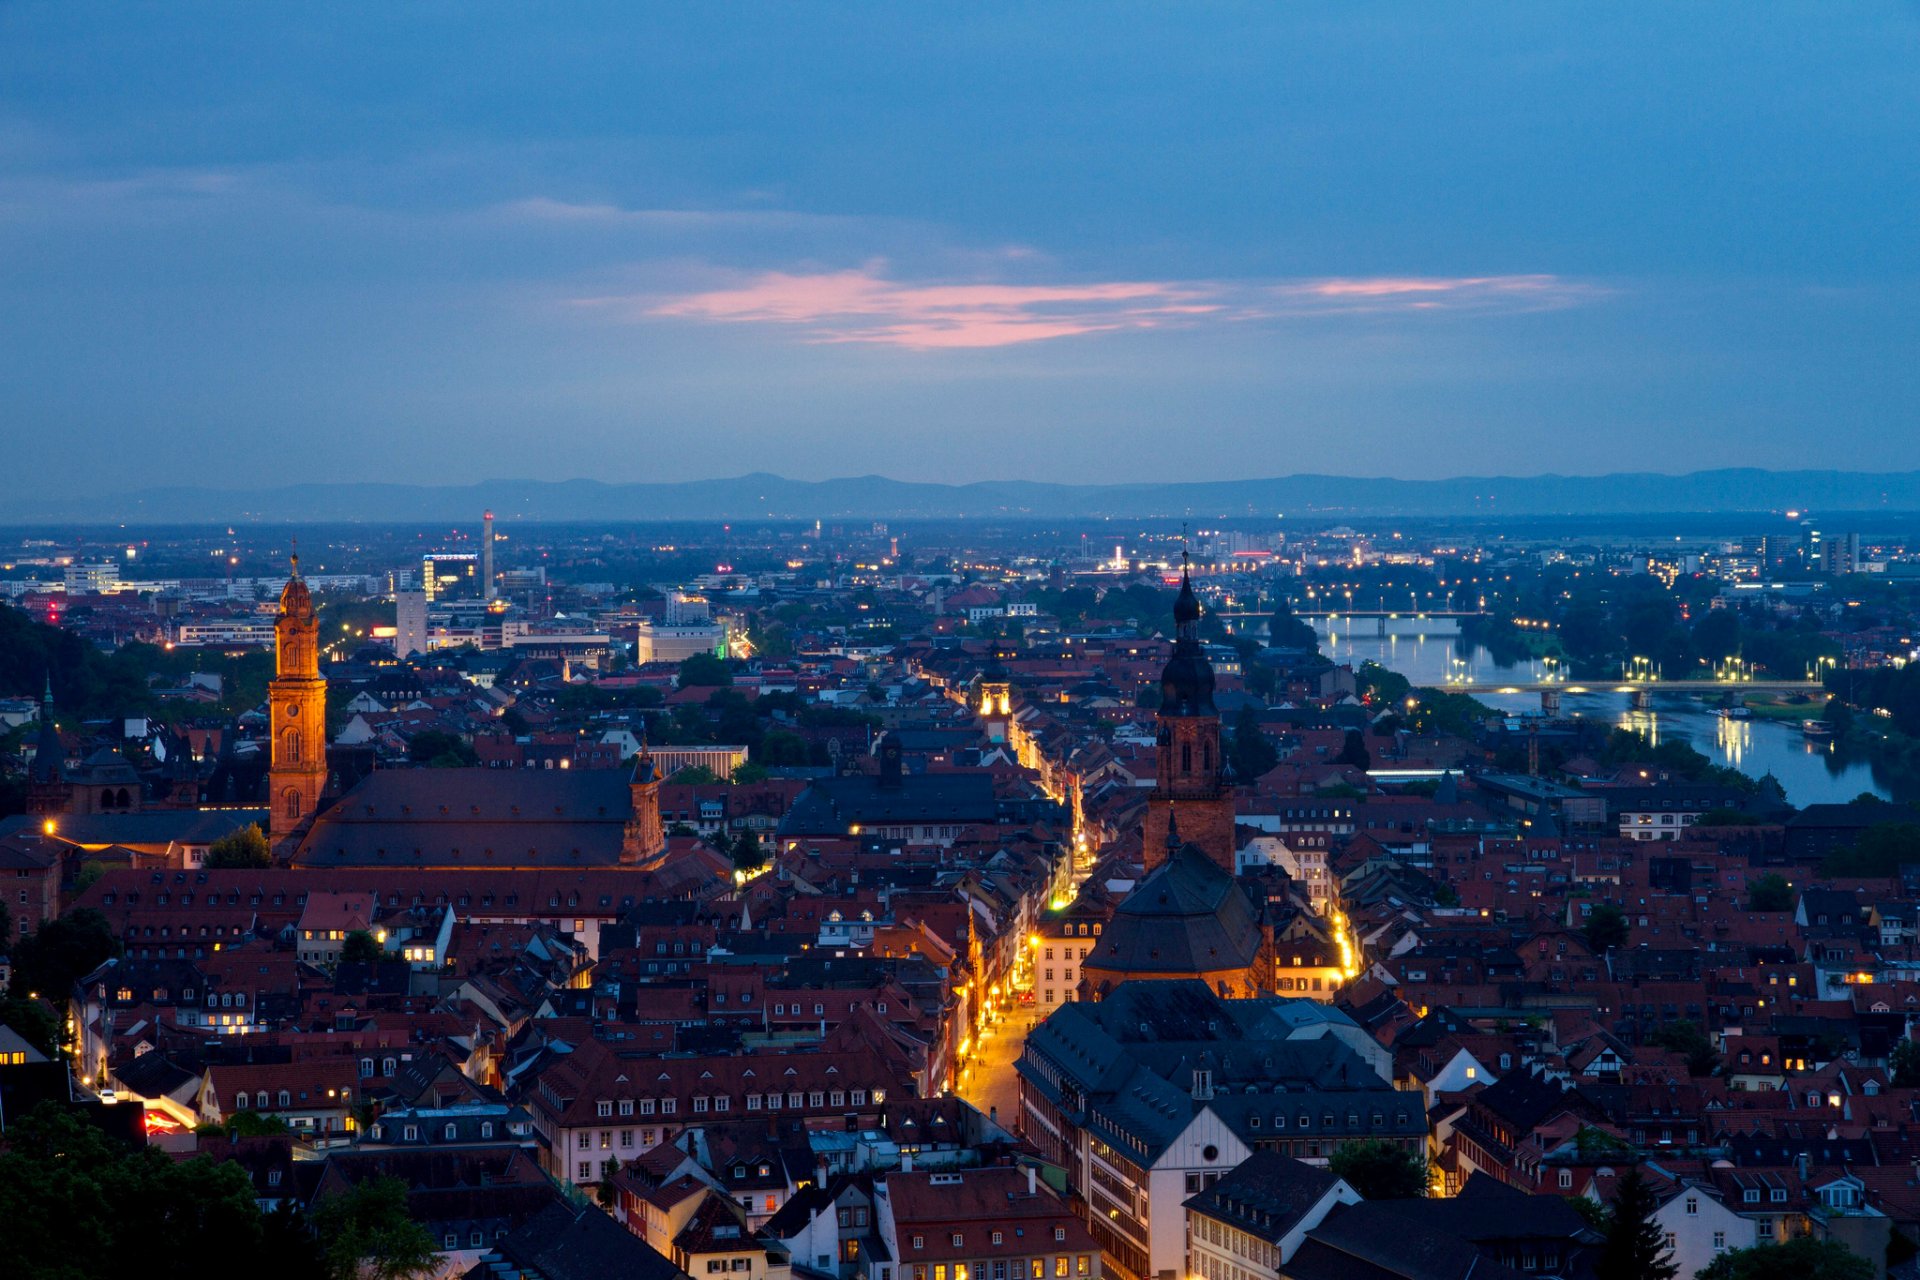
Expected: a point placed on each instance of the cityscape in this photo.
(1098, 684)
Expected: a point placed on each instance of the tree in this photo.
(362, 948)
(1354, 751)
(1634, 1247)
(606, 1192)
(1686, 1037)
(61, 952)
(438, 749)
(33, 1021)
(1770, 892)
(1803, 1258)
(705, 670)
(749, 772)
(695, 775)
(365, 1232)
(1881, 851)
(1380, 1170)
(1287, 631)
(747, 853)
(1252, 753)
(1606, 928)
(105, 1209)
(1905, 1060)
(246, 847)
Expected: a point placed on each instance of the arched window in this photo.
(290, 747)
(1186, 757)
(291, 803)
(106, 797)
(120, 799)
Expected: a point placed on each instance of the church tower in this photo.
(47, 789)
(297, 701)
(644, 837)
(1190, 783)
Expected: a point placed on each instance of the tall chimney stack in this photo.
(486, 556)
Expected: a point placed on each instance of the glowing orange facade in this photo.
(297, 698)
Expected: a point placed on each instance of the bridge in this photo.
(1641, 691)
(1378, 617)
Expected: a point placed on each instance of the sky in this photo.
(247, 244)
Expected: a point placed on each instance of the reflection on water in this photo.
(1812, 772)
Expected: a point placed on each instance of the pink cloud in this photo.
(864, 306)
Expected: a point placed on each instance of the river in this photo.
(1427, 652)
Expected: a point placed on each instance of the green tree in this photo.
(246, 847)
(747, 853)
(1905, 1061)
(695, 775)
(1286, 630)
(1380, 1170)
(1804, 1258)
(1354, 751)
(366, 1232)
(1252, 753)
(1606, 928)
(64, 950)
(1686, 1037)
(1881, 851)
(705, 670)
(438, 749)
(749, 772)
(33, 1020)
(605, 1191)
(1634, 1246)
(1770, 892)
(105, 1209)
(362, 947)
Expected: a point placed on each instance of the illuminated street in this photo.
(990, 1080)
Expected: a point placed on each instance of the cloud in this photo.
(865, 306)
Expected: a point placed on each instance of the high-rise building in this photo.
(297, 701)
(486, 557)
(410, 623)
(1190, 784)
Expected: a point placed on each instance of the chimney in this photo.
(486, 556)
(1033, 1181)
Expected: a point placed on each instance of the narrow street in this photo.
(990, 1081)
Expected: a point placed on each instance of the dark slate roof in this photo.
(1432, 1239)
(452, 817)
(1187, 916)
(1266, 1195)
(830, 806)
(159, 826)
(564, 1242)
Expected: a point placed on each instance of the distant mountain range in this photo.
(876, 497)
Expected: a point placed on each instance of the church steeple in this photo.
(1190, 769)
(297, 712)
(47, 791)
(1186, 683)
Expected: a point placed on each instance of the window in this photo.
(919, 1242)
(585, 1171)
(1693, 1206)
(603, 1108)
(956, 1240)
(1719, 1241)
(998, 1238)
(626, 1106)
(1059, 1233)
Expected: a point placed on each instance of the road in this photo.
(991, 1081)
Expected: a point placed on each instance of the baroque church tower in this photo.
(644, 837)
(297, 698)
(1190, 785)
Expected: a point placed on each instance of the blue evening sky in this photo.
(241, 243)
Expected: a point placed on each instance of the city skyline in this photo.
(1001, 246)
